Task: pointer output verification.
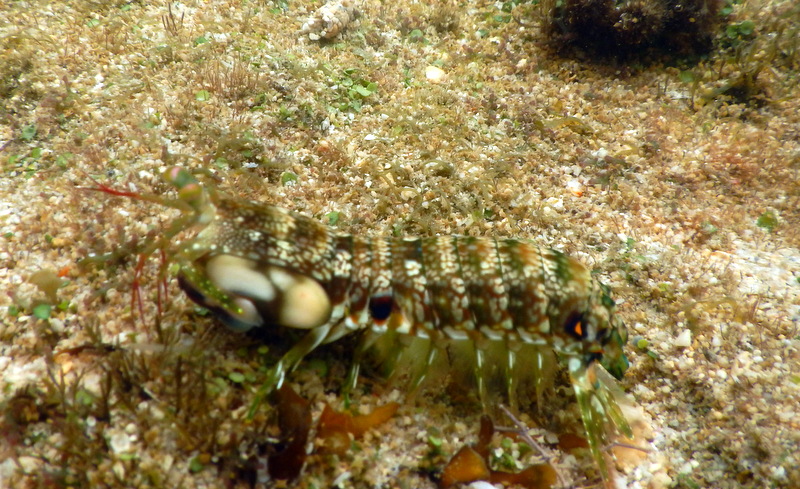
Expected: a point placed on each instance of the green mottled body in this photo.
(256, 265)
(447, 286)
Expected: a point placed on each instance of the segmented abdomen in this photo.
(453, 286)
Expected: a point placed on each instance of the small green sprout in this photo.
(356, 90)
(28, 132)
(202, 96)
(741, 30)
(63, 159)
(768, 220)
(435, 443)
(365, 90)
(319, 366)
(727, 7)
(84, 397)
(333, 217)
(280, 7)
(416, 35)
(502, 19)
(686, 76)
(195, 465)
(739, 33)
(236, 377)
(644, 345)
(42, 311)
(288, 178)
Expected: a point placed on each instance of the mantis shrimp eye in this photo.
(575, 326)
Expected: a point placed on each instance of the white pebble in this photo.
(481, 485)
(684, 340)
(434, 74)
(120, 442)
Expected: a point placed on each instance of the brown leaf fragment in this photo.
(466, 466)
(294, 421)
(335, 428)
(571, 441)
(380, 415)
(331, 421)
(485, 436)
(541, 476)
(471, 464)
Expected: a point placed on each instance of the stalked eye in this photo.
(380, 307)
(574, 326)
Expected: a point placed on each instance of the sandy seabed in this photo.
(678, 186)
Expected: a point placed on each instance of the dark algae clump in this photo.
(635, 28)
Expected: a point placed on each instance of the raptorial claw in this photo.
(523, 309)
